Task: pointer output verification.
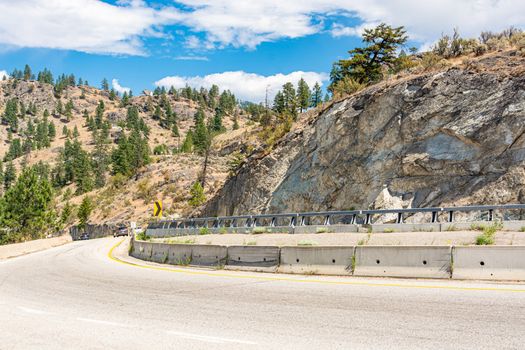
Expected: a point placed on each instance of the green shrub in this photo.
(204, 231)
(259, 230)
(488, 235)
(142, 236)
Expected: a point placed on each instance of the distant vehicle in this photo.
(84, 236)
(121, 230)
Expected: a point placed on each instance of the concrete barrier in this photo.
(255, 258)
(326, 229)
(180, 254)
(208, 255)
(141, 250)
(317, 260)
(489, 262)
(385, 228)
(159, 252)
(403, 261)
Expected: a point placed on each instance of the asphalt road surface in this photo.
(77, 297)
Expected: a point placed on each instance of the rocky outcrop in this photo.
(454, 137)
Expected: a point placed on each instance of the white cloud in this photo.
(100, 27)
(191, 58)
(118, 88)
(246, 86)
(82, 25)
(249, 23)
(3, 74)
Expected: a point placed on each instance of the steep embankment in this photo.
(449, 138)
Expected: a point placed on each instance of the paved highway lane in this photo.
(75, 296)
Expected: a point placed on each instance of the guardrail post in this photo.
(434, 217)
(254, 222)
(399, 218)
(450, 216)
(272, 223)
(234, 223)
(292, 221)
(353, 219)
(327, 220)
(301, 223)
(367, 220)
(490, 217)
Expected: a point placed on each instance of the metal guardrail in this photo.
(351, 217)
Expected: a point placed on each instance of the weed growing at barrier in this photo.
(522, 229)
(306, 243)
(487, 237)
(259, 230)
(204, 231)
(321, 230)
(165, 259)
(142, 236)
(353, 264)
(477, 227)
(361, 242)
(251, 243)
(451, 228)
(389, 230)
(223, 230)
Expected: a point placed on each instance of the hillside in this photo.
(448, 137)
(168, 176)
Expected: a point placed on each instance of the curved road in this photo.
(77, 297)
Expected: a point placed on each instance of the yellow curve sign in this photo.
(157, 209)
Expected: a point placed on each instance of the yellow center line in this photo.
(302, 280)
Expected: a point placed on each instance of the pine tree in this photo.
(290, 99)
(197, 195)
(10, 116)
(99, 114)
(27, 206)
(235, 123)
(105, 84)
(59, 108)
(76, 134)
(278, 102)
(1, 178)
(84, 212)
(65, 131)
(121, 163)
(69, 110)
(317, 95)
(303, 95)
(217, 121)
(365, 63)
(100, 159)
(187, 145)
(201, 137)
(51, 131)
(9, 175)
(27, 72)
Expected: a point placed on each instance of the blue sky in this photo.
(241, 45)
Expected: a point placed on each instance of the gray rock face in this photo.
(451, 138)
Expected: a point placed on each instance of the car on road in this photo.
(84, 236)
(121, 230)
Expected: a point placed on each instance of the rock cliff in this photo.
(453, 137)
